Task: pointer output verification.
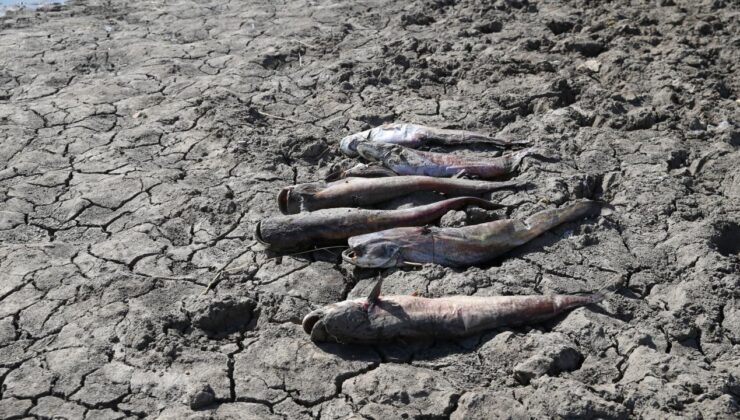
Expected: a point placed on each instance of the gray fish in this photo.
(334, 226)
(378, 319)
(457, 247)
(405, 161)
(413, 136)
(362, 192)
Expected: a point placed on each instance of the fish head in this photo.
(374, 151)
(339, 321)
(294, 198)
(377, 250)
(348, 145)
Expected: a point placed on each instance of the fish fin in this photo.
(596, 297)
(372, 299)
(608, 288)
(462, 174)
(600, 294)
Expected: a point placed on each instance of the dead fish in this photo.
(362, 170)
(413, 136)
(405, 161)
(457, 247)
(362, 192)
(332, 226)
(377, 319)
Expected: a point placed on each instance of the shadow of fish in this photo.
(391, 317)
(413, 136)
(334, 226)
(457, 247)
(361, 192)
(404, 161)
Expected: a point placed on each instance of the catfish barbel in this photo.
(378, 319)
(405, 161)
(413, 136)
(457, 247)
(333, 226)
(362, 192)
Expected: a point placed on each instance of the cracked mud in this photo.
(141, 143)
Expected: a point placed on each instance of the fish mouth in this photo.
(313, 325)
(348, 145)
(310, 320)
(282, 199)
(349, 255)
(258, 234)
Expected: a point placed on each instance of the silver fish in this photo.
(377, 319)
(413, 136)
(362, 192)
(457, 247)
(405, 161)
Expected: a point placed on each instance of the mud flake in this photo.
(126, 247)
(11, 408)
(106, 385)
(393, 391)
(50, 407)
(281, 362)
(30, 380)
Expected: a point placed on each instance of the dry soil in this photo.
(142, 140)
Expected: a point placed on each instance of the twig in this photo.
(213, 282)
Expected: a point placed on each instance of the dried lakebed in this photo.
(140, 147)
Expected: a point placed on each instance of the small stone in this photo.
(592, 66)
(477, 215)
(551, 360)
(587, 47)
(560, 25)
(453, 219)
(534, 367)
(489, 27)
(201, 396)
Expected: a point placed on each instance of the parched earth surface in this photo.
(142, 141)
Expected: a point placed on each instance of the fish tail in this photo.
(479, 202)
(518, 157)
(548, 219)
(565, 302)
(505, 143)
(459, 202)
(595, 297)
(504, 185)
